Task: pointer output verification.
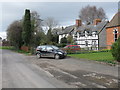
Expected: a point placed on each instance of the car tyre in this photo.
(38, 55)
(57, 56)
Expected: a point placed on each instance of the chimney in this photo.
(96, 21)
(78, 22)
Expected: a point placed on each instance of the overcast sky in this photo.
(64, 12)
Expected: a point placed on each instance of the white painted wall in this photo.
(61, 36)
(81, 41)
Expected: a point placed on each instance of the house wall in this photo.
(61, 36)
(81, 41)
(102, 39)
(110, 36)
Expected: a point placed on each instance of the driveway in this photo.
(79, 72)
(27, 71)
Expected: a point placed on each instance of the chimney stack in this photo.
(96, 21)
(78, 22)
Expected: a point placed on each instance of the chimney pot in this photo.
(96, 21)
(78, 22)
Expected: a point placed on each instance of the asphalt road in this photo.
(19, 73)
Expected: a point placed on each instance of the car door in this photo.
(50, 51)
(43, 51)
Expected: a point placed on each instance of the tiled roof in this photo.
(89, 28)
(92, 27)
(67, 29)
(115, 20)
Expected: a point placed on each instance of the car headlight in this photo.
(60, 53)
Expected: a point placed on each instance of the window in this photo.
(94, 43)
(43, 48)
(115, 31)
(86, 43)
(49, 48)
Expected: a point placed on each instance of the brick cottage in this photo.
(113, 30)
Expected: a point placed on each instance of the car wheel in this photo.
(57, 56)
(38, 55)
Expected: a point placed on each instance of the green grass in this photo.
(24, 52)
(7, 47)
(100, 56)
(13, 49)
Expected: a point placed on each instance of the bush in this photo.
(61, 45)
(116, 50)
(63, 40)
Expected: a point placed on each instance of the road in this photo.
(19, 73)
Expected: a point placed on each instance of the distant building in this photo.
(113, 30)
(0, 41)
(91, 36)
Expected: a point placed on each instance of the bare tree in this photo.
(89, 13)
(50, 23)
(36, 21)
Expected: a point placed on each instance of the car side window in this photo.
(49, 48)
(43, 48)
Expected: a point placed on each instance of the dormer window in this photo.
(94, 33)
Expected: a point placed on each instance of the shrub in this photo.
(63, 40)
(116, 50)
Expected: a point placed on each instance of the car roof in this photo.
(45, 45)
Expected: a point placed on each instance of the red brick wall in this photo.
(110, 36)
(25, 48)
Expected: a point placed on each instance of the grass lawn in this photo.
(99, 56)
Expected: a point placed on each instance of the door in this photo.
(50, 51)
(43, 51)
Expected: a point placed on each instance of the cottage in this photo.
(90, 36)
(113, 30)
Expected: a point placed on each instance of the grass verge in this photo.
(13, 49)
(100, 56)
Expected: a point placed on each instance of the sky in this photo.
(64, 12)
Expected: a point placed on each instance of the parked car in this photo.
(50, 51)
(72, 48)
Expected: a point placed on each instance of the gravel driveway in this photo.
(79, 72)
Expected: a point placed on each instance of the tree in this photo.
(89, 13)
(36, 22)
(14, 34)
(50, 23)
(36, 27)
(49, 36)
(55, 38)
(39, 39)
(70, 39)
(116, 50)
(27, 32)
(64, 40)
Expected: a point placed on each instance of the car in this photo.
(72, 48)
(50, 51)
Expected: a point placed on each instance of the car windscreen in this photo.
(55, 47)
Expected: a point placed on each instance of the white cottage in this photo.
(92, 37)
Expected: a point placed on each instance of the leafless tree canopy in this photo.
(50, 22)
(36, 21)
(89, 13)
